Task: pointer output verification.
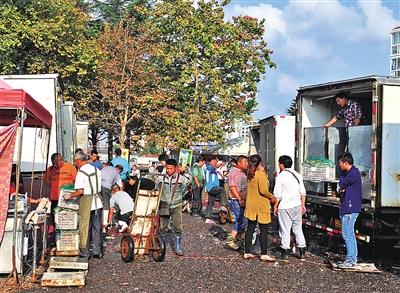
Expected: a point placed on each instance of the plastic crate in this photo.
(66, 220)
(318, 173)
(67, 240)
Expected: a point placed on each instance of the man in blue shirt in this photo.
(349, 185)
(213, 189)
(118, 160)
(94, 159)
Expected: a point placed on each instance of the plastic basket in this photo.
(318, 173)
(66, 220)
(67, 240)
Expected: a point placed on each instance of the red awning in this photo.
(12, 99)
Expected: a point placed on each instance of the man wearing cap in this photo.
(172, 195)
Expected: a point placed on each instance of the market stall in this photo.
(18, 110)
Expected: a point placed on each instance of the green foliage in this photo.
(292, 110)
(50, 37)
(209, 67)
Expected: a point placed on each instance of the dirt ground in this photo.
(208, 266)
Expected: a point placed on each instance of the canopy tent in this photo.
(12, 99)
(17, 109)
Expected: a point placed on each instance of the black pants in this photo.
(213, 194)
(125, 217)
(105, 197)
(251, 227)
(95, 235)
(197, 193)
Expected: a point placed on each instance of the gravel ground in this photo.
(209, 267)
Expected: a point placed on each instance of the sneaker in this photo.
(248, 256)
(266, 257)
(347, 265)
(232, 243)
(209, 221)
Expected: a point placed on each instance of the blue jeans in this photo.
(240, 221)
(349, 237)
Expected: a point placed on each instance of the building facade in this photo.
(395, 52)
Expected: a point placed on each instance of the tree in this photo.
(292, 110)
(209, 67)
(50, 37)
(127, 82)
(111, 12)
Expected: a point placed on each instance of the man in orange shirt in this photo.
(57, 175)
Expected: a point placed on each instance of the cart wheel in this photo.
(127, 248)
(159, 248)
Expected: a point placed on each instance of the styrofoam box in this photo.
(319, 173)
(66, 220)
(67, 240)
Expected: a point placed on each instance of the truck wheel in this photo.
(127, 248)
(159, 249)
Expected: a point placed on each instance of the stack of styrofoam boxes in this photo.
(66, 218)
(318, 173)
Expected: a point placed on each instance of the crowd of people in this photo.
(107, 190)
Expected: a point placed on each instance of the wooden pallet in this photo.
(65, 271)
(360, 268)
(68, 263)
(63, 279)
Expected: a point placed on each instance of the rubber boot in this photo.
(302, 253)
(178, 246)
(284, 257)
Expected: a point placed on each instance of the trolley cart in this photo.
(143, 236)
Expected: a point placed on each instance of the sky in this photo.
(319, 41)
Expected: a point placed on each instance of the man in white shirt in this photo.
(290, 196)
(88, 188)
(222, 170)
(109, 177)
(121, 203)
(135, 171)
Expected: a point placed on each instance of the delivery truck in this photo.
(374, 146)
(66, 134)
(276, 138)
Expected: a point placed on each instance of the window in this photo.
(394, 64)
(396, 38)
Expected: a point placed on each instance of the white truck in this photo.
(374, 146)
(276, 139)
(47, 89)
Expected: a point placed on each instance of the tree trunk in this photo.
(122, 135)
(110, 145)
(94, 131)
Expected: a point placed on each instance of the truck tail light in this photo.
(374, 108)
